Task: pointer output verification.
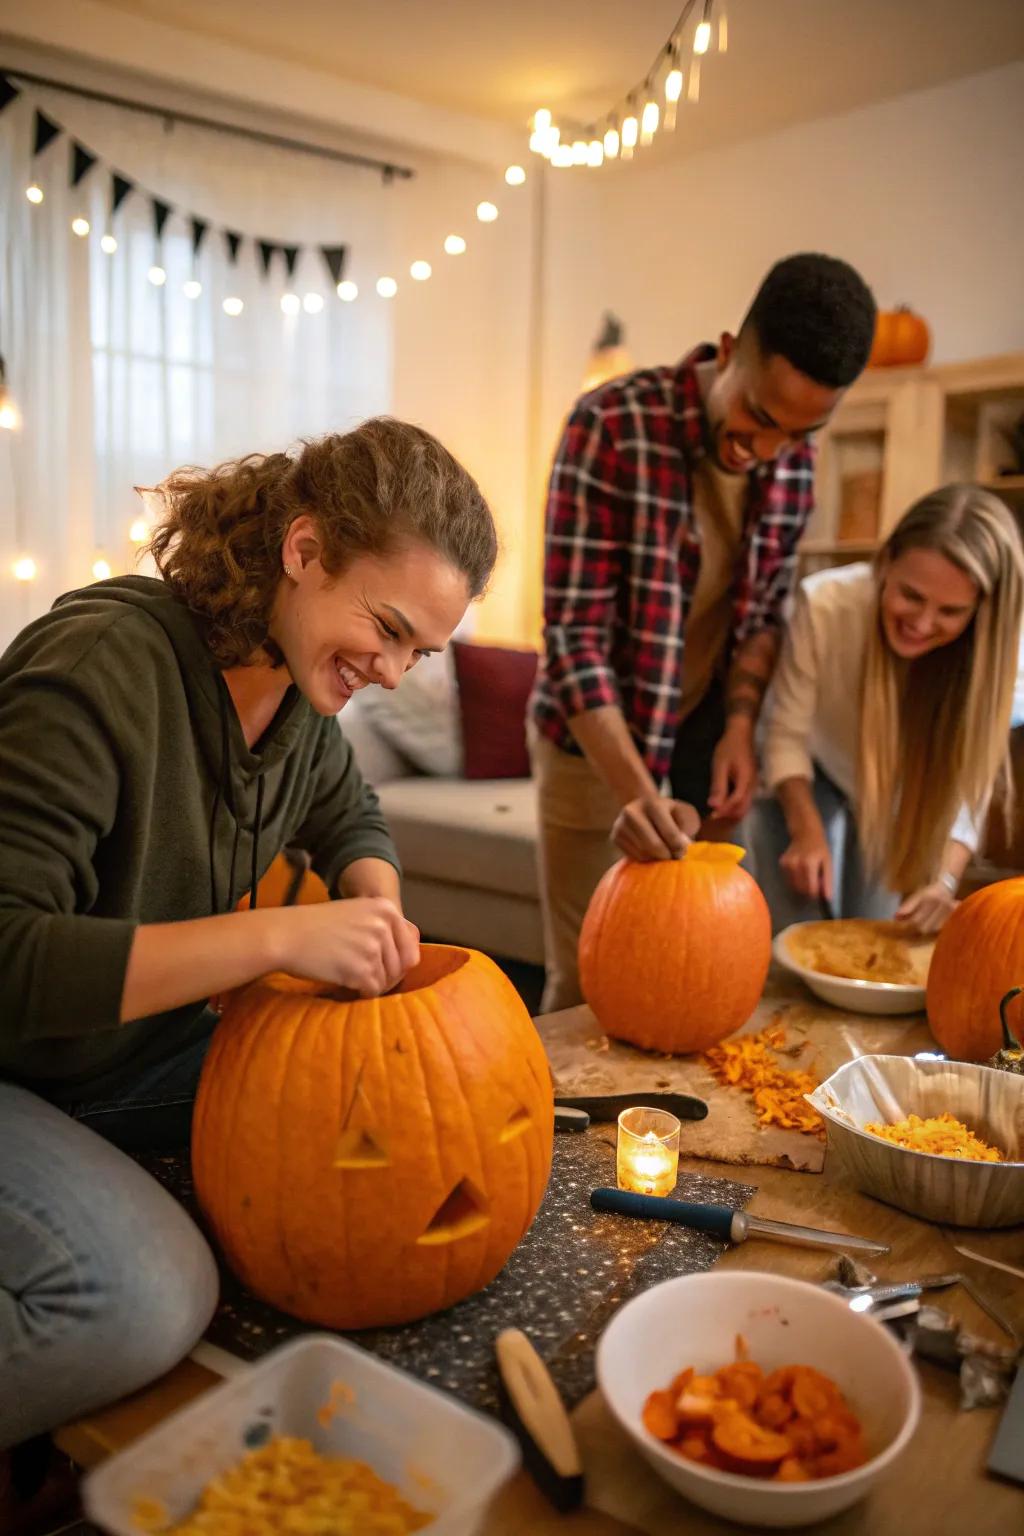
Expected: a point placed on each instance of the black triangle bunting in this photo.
(199, 228)
(120, 187)
(334, 256)
(233, 241)
(8, 92)
(266, 249)
(291, 256)
(46, 130)
(161, 213)
(82, 162)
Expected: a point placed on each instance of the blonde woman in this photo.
(888, 730)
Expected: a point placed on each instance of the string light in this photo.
(139, 531)
(649, 122)
(34, 193)
(595, 153)
(157, 276)
(673, 91)
(101, 569)
(291, 303)
(80, 227)
(611, 143)
(702, 37)
(454, 245)
(25, 569)
(192, 288)
(420, 270)
(486, 212)
(312, 303)
(629, 136)
(561, 156)
(579, 151)
(348, 291)
(108, 245)
(542, 120)
(233, 305)
(387, 287)
(515, 176)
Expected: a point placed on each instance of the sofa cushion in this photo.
(494, 690)
(481, 834)
(420, 718)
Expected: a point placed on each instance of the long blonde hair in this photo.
(935, 732)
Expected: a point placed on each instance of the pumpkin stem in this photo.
(1010, 1041)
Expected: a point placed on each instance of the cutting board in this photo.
(584, 1062)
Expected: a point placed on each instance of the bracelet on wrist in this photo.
(950, 881)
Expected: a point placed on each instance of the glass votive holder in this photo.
(647, 1151)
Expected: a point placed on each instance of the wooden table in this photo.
(938, 1487)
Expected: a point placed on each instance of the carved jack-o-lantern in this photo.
(369, 1161)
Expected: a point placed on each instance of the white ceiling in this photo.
(788, 60)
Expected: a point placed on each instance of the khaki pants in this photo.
(575, 812)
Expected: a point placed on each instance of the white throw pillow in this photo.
(420, 718)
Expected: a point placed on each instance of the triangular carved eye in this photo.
(358, 1149)
(463, 1212)
(516, 1125)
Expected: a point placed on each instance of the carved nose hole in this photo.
(359, 1149)
(516, 1125)
(463, 1212)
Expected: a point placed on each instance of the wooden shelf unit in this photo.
(901, 432)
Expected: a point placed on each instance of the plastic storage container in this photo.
(445, 1459)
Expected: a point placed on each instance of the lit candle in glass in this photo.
(647, 1153)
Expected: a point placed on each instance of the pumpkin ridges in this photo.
(979, 955)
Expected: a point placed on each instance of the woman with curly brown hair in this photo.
(160, 742)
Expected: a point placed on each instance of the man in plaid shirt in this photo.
(678, 496)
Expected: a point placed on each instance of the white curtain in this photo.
(119, 381)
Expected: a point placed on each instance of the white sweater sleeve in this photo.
(794, 701)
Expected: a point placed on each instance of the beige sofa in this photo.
(468, 847)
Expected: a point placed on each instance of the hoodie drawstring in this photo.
(225, 793)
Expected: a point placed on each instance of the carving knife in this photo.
(722, 1221)
(608, 1106)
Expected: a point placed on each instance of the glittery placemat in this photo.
(567, 1277)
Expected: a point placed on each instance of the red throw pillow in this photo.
(494, 687)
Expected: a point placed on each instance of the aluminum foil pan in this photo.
(887, 1089)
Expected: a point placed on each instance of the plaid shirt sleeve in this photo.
(788, 503)
(584, 548)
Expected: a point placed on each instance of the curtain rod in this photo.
(387, 168)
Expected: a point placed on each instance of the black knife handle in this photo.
(608, 1106)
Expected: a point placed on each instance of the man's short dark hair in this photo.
(817, 313)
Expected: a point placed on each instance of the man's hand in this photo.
(655, 827)
(733, 771)
(926, 910)
(807, 865)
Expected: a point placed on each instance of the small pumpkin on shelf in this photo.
(1010, 1055)
(901, 339)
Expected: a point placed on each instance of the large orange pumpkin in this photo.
(369, 1161)
(673, 956)
(979, 956)
(901, 339)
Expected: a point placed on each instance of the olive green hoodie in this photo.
(128, 795)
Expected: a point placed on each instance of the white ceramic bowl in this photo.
(876, 997)
(694, 1320)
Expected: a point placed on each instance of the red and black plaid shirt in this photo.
(622, 554)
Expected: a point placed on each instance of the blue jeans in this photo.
(105, 1282)
(765, 836)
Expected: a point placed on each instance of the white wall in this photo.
(921, 194)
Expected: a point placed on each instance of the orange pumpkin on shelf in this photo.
(673, 955)
(364, 1162)
(901, 339)
(978, 959)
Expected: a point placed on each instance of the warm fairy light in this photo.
(34, 193)
(420, 271)
(387, 287)
(454, 245)
(80, 227)
(233, 305)
(515, 175)
(630, 133)
(647, 1151)
(611, 143)
(673, 85)
(649, 122)
(348, 291)
(108, 245)
(486, 213)
(10, 417)
(702, 37)
(25, 569)
(157, 276)
(579, 151)
(541, 120)
(291, 303)
(192, 288)
(312, 303)
(139, 531)
(101, 569)
(538, 142)
(552, 138)
(561, 156)
(595, 152)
